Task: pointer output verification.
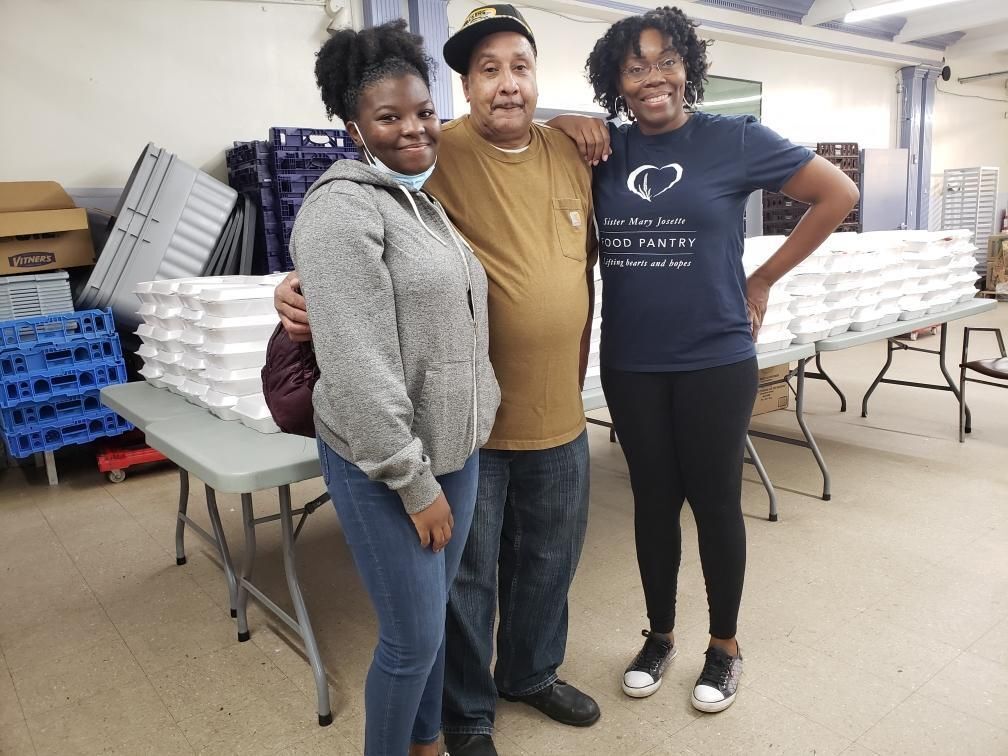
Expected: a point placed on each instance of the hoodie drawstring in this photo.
(416, 211)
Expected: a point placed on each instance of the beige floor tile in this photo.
(10, 706)
(755, 724)
(35, 593)
(202, 684)
(831, 692)
(61, 635)
(973, 685)
(890, 652)
(856, 749)
(262, 722)
(947, 604)
(169, 595)
(20, 515)
(100, 524)
(108, 720)
(672, 747)
(166, 741)
(59, 681)
(125, 564)
(994, 644)
(31, 540)
(923, 727)
(15, 740)
(158, 645)
(326, 742)
(620, 730)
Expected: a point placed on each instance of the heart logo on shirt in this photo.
(642, 181)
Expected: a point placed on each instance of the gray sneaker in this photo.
(644, 675)
(717, 685)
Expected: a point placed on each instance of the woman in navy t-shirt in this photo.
(679, 316)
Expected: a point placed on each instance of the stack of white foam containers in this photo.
(205, 339)
(775, 332)
(943, 269)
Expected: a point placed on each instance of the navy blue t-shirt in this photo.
(669, 210)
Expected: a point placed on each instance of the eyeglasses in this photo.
(639, 72)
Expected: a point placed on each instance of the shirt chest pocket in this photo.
(571, 228)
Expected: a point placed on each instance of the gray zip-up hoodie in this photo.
(397, 304)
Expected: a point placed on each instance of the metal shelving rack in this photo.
(970, 201)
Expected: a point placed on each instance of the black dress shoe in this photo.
(563, 703)
(469, 745)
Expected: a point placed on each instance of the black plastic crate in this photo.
(294, 137)
(249, 175)
(247, 152)
(778, 229)
(838, 149)
(846, 163)
(783, 215)
(774, 201)
(295, 184)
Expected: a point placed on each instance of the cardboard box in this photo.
(41, 229)
(771, 395)
(997, 261)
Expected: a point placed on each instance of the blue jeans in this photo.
(524, 545)
(408, 586)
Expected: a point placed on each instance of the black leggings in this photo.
(683, 435)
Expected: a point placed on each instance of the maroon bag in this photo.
(288, 378)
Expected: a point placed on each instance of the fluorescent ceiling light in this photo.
(732, 101)
(892, 9)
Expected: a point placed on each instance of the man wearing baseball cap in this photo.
(520, 194)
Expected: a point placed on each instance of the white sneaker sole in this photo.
(648, 690)
(712, 707)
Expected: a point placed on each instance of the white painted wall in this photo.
(807, 98)
(85, 84)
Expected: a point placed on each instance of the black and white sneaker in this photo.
(644, 675)
(717, 685)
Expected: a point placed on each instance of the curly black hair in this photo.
(606, 59)
(351, 60)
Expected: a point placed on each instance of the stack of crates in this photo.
(781, 214)
(278, 172)
(847, 157)
(52, 368)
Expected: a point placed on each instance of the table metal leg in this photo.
(821, 373)
(180, 520)
(878, 378)
(943, 343)
(218, 530)
(50, 468)
(800, 415)
(756, 462)
(311, 645)
(248, 561)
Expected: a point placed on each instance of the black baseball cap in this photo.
(480, 23)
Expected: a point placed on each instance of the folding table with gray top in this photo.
(232, 458)
(889, 333)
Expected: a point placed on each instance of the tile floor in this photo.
(876, 623)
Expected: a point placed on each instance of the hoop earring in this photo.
(686, 103)
(623, 112)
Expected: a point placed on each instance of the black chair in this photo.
(994, 367)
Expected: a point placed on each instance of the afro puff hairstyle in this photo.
(350, 61)
(606, 61)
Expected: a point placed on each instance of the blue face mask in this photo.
(413, 182)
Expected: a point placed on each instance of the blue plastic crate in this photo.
(79, 430)
(246, 152)
(69, 382)
(29, 417)
(294, 137)
(316, 160)
(60, 328)
(45, 359)
(289, 207)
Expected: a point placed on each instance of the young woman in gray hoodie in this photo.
(407, 395)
